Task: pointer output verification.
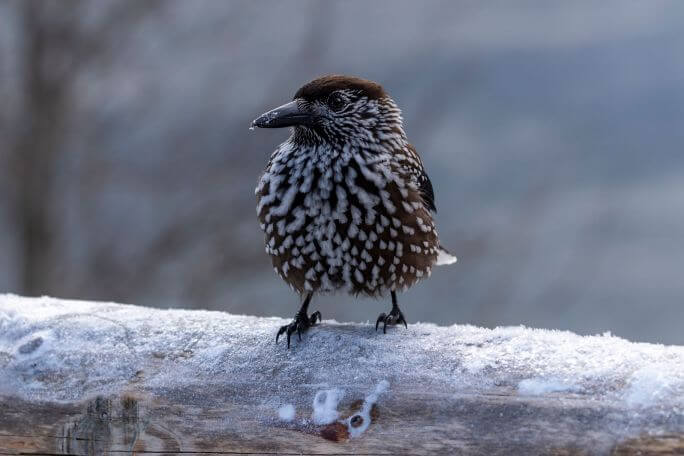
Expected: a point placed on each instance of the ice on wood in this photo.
(325, 406)
(286, 412)
(541, 386)
(64, 350)
(358, 423)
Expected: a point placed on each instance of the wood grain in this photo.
(409, 422)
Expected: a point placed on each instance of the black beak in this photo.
(287, 115)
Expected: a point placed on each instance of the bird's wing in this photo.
(426, 190)
(420, 177)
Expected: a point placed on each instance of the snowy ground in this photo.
(62, 350)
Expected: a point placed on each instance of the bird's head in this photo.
(338, 109)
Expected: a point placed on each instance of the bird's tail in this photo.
(444, 257)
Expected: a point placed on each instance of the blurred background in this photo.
(553, 132)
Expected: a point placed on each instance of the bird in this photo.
(345, 202)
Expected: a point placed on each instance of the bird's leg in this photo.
(301, 321)
(395, 316)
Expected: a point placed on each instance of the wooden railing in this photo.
(85, 378)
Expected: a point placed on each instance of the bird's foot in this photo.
(299, 324)
(394, 317)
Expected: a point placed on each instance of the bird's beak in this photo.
(287, 115)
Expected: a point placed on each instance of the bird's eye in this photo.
(336, 102)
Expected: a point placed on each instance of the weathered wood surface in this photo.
(89, 379)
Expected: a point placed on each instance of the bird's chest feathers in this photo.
(321, 184)
(315, 198)
(336, 214)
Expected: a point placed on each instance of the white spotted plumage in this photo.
(342, 206)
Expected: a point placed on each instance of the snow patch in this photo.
(59, 350)
(359, 422)
(539, 386)
(33, 345)
(286, 412)
(325, 406)
(653, 385)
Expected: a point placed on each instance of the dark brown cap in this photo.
(320, 88)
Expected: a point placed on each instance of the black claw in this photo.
(395, 316)
(280, 331)
(299, 324)
(381, 317)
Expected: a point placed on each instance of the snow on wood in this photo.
(82, 378)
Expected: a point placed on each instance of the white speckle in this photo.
(400, 249)
(407, 207)
(369, 201)
(286, 201)
(325, 406)
(286, 412)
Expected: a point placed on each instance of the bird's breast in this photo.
(340, 221)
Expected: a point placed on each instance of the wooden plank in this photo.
(236, 412)
(418, 423)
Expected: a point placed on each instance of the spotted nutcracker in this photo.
(345, 202)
